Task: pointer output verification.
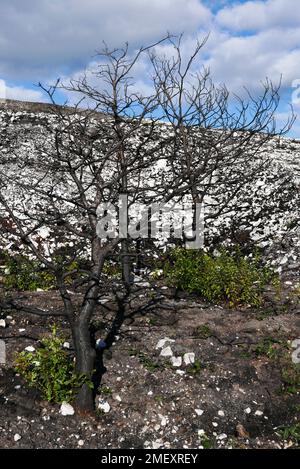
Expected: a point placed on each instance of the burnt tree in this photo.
(184, 139)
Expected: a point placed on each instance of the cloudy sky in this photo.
(41, 40)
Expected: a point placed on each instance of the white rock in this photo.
(221, 413)
(104, 406)
(66, 409)
(30, 349)
(66, 345)
(157, 444)
(161, 343)
(2, 323)
(180, 372)
(247, 411)
(259, 413)
(17, 437)
(166, 352)
(199, 411)
(80, 443)
(214, 424)
(223, 436)
(164, 420)
(189, 358)
(103, 301)
(44, 232)
(176, 361)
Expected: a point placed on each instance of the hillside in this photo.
(266, 208)
(177, 371)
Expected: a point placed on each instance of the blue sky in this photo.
(41, 40)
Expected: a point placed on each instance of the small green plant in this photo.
(269, 347)
(159, 398)
(206, 441)
(203, 331)
(292, 432)
(50, 370)
(133, 352)
(146, 361)
(290, 375)
(152, 321)
(228, 277)
(105, 390)
(99, 412)
(195, 368)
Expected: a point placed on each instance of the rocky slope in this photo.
(265, 212)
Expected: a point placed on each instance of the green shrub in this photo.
(50, 370)
(271, 347)
(24, 274)
(226, 277)
(290, 432)
(290, 375)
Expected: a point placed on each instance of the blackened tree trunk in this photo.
(126, 265)
(85, 356)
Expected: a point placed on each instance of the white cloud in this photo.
(245, 60)
(258, 15)
(37, 37)
(19, 93)
(44, 39)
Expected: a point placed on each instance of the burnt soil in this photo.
(233, 396)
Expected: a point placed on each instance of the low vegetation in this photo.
(226, 277)
(51, 370)
(23, 274)
(290, 432)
